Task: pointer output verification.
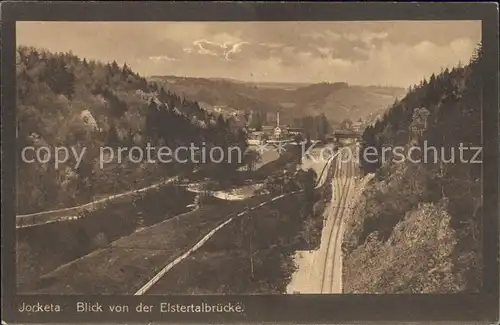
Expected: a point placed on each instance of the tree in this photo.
(324, 127)
(252, 158)
(346, 124)
(307, 180)
(59, 79)
(418, 124)
(369, 151)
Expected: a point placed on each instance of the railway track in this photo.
(343, 185)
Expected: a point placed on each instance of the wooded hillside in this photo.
(64, 100)
(417, 228)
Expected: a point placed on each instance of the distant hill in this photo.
(219, 92)
(338, 101)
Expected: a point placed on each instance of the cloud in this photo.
(392, 64)
(387, 63)
(404, 64)
(324, 50)
(327, 35)
(226, 38)
(366, 37)
(330, 37)
(160, 58)
(340, 63)
(222, 50)
(272, 45)
(461, 45)
(352, 45)
(207, 48)
(235, 48)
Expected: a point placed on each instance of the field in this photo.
(254, 253)
(42, 248)
(249, 255)
(122, 266)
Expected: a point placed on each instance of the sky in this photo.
(388, 53)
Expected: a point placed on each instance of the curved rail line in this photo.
(338, 189)
(328, 268)
(350, 172)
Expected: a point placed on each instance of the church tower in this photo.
(277, 130)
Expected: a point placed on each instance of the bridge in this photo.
(346, 134)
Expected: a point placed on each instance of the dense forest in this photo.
(64, 100)
(314, 127)
(417, 228)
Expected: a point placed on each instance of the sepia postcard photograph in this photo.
(285, 158)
